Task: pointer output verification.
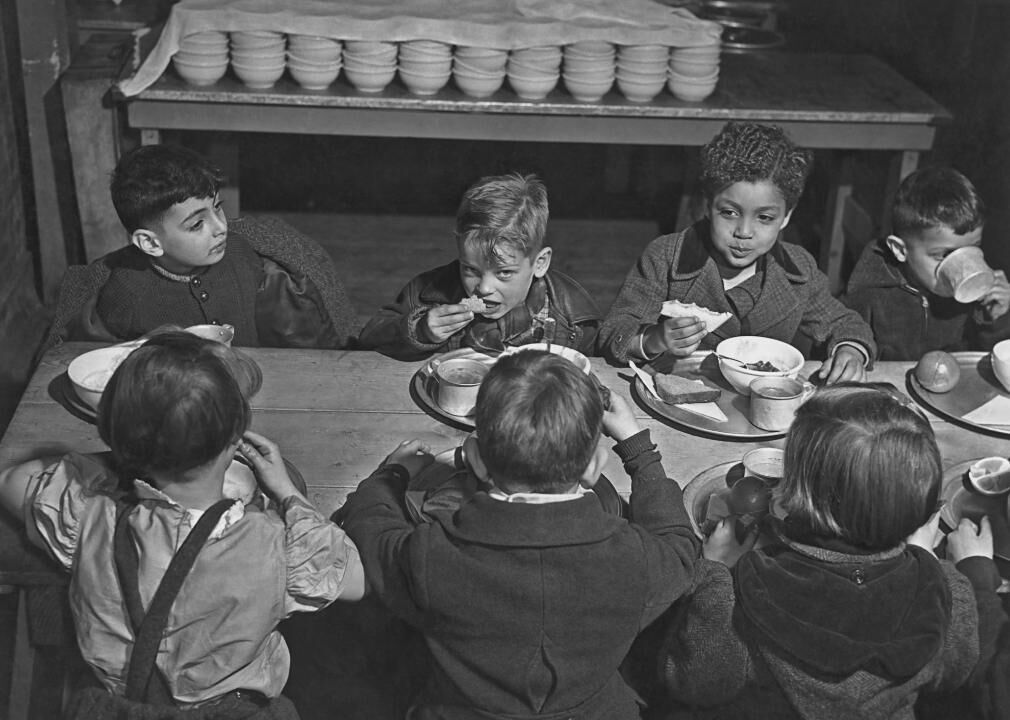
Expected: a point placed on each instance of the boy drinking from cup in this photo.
(927, 286)
(499, 292)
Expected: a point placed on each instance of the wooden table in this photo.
(336, 415)
(825, 101)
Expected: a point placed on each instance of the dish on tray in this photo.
(424, 382)
(978, 385)
(733, 405)
(718, 479)
(962, 502)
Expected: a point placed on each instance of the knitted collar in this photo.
(171, 275)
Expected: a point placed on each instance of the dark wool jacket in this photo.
(394, 330)
(794, 296)
(908, 322)
(802, 631)
(277, 286)
(528, 609)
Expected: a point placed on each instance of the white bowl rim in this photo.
(725, 348)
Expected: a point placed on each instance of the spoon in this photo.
(746, 365)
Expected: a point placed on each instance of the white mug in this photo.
(457, 383)
(774, 401)
(964, 275)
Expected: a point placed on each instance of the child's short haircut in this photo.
(936, 197)
(172, 405)
(151, 179)
(861, 465)
(538, 422)
(749, 152)
(508, 210)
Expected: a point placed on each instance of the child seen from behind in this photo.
(175, 418)
(734, 261)
(845, 612)
(530, 595)
(895, 285)
(499, 292)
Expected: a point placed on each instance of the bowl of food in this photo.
(745, 358)
(90, 373)
(571, 354)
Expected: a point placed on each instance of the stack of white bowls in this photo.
(641, 71)
(589, 69)
(257, 57)
(479, 71)
(694, 72)
(202, 58)
(534, 72)
(314, 61)
(425, 65)
(369, 65)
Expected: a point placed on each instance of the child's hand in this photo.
(680, 336)
(928, 536)
(996, 302)
(265, 458)
(619, 421)
(845, 364)
(443, 321)
(412, 455)
(722, 545)
(970, 541)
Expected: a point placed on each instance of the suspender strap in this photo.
(149, 630)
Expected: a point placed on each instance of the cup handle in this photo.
(808, 390)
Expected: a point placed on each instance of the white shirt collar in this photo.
(533, 498)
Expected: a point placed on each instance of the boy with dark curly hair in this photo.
(733, 261)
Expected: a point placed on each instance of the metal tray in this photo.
(977, 386)
(422, 386)
(733, 404)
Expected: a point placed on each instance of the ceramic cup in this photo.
(964, 275)
(765, 464)
(458, 381)
(1000, 359)
(774, 400)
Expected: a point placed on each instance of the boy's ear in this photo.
(897, 247)
(595, 467)
(147, 242)
(474, 460)
(789, 216)
(542, 262)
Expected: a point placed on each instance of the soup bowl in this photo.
(753, 349)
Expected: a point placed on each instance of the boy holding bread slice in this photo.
(731, 273)
(499, 292)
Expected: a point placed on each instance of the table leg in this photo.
(833, 243)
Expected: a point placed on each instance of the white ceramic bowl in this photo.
(639, 89)
(90, 373)
(201, 60)
(258, 78)
(702, 51)
(478, 71)
(694, 68)
(200, 75)
(210, 37)
(533, 88)
(313, 78)
(363, 48)
(753, 349)
(200, 50)
(369, 81)
(643, 53)
(571, 354)
(1000, 358)
(424, 83)
(587, 90)
(315, 55)
(271, 59)
(478, 87)
(313, 42)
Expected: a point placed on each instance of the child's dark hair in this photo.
(149, 180)
(749, 152)
(538, 422)
(936, 197)
(172, 405)
(861, 465)
(509, 210)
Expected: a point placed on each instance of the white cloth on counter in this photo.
(505, 24)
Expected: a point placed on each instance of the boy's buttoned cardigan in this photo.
(794, 296)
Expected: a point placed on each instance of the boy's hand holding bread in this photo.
(681, 328)
(443, 321)
(265, 458)
(412, 455)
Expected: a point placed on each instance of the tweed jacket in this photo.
(800, 631)
(908, 322)
(794, 296)
(394, 329)
(528, 609)
(278, 282)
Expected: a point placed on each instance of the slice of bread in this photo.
(711, 318)
(676, 389)
(474, 304)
